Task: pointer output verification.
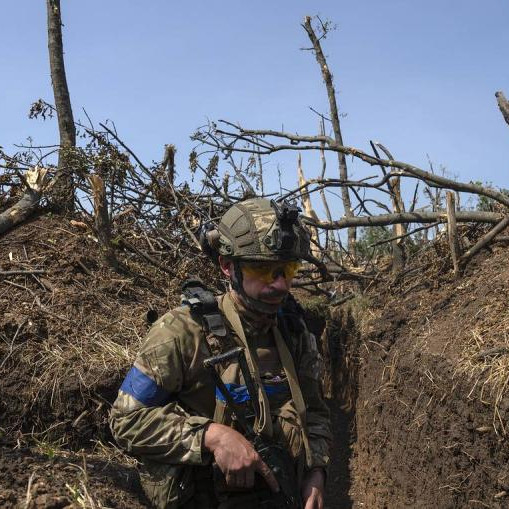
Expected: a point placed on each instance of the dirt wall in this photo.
(432, 404)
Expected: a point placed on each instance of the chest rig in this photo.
(205, 308)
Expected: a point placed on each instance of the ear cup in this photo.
(209, 240)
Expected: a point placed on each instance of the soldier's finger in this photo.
(231, 480)
(267, 474)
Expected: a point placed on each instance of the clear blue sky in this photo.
(418, 76)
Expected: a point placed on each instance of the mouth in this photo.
(273, 297)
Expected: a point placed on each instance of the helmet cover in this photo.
(261, 230)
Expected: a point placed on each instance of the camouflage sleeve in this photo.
(147, 419)
(318, 423)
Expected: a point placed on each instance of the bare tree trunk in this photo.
(308, 209)
(62, 196)
(326, 207)
(462, 216)
(24, 208)
(398, 207)
(343, 173)
(168, 163)
(452, 230)
(503, 104)
(102, 222)
(398, 250)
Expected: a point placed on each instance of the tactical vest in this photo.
(204, 307)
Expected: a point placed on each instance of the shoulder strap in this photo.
(264, 424)
(290, 321)
(293, 315)
(291, 374)
(204, 307)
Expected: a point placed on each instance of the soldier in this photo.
(168, 413)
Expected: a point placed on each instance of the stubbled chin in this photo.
(278, 298)
(273, 305)
(260, 304)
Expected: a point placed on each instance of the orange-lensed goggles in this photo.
(269, 271)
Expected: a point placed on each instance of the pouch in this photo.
(167, 486)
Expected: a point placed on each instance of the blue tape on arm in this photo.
(142, 388)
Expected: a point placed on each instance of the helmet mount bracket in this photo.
(287, 216)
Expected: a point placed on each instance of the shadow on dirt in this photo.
(339, 480)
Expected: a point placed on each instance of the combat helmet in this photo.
(258, 230)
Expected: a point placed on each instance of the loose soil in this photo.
(57, 480)
(417, 385)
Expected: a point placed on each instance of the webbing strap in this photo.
(264, 424)
(293, 381)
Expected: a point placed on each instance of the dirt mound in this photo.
(69, 329)
(70, 325)
(47, 480)
(432, 407)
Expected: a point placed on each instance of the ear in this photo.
(226, 265)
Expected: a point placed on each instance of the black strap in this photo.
(203, 304)
(293, 315)
(290, 322)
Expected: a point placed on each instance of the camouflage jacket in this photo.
(168, 397)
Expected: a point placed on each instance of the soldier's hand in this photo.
(313, 489)
(236, 457)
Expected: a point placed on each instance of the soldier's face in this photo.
(256, 287)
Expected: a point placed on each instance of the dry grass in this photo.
(84, 360)
(110, 453)
(80, 493)
(484, 361)
(67, 337)
(78, 489)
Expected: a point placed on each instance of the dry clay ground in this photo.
(412, 365)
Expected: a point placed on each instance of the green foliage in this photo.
(370, 235)
(48, 448)
(485, 204)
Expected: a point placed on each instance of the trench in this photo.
(339, 482)
(338, 339)
(408, 429)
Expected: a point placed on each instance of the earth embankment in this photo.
(417, 385)
(432, 406)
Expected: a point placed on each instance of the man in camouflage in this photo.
(168, 413)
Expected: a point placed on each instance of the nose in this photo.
(280, 283)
